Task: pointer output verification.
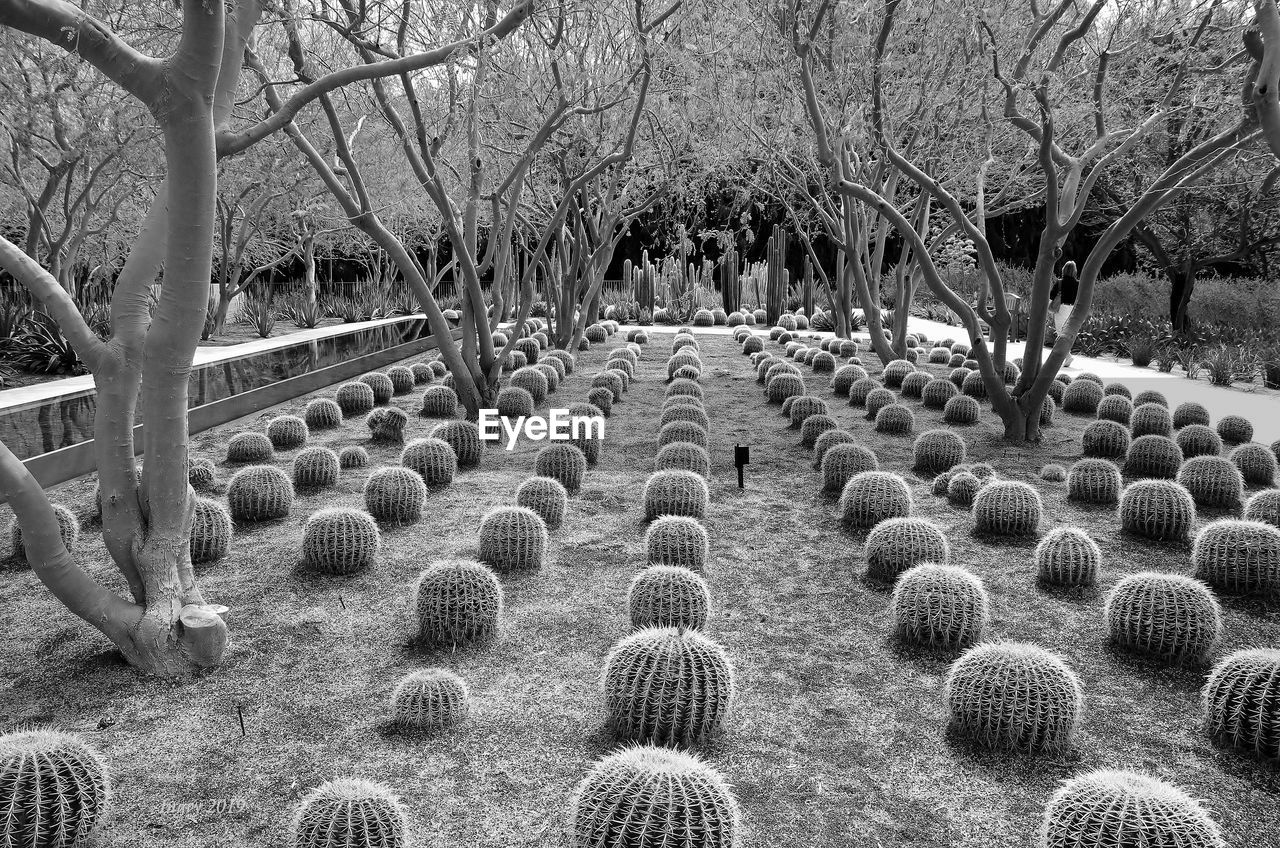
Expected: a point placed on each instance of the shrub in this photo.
(250, 448)
(1106, 439)
(668, 596)
(1198, 440)
(897, 544)
(431, 458)
(1169, 616)
(513, 538)
(1264, 506)
(55, 790)
(315, 467)
(895, 372)
(1111, 809)
(348, 811)
(354, 398)
(1157, 509)
(962, 488)
(1241, 701)
(870, 497)
(861, 389)
(1151, 418)
(395, 495)
(940, 606)
(430, 700)
(1014, 696)
(1235, 429)
(1082, 397)
(1068, 556)
(843, 462)
(1257, 464)
(667, 686)
(259, 493)
(961, 409)
(649, 794)
(339, 540)
(353, 456)
(322, 414)
(457, 602)
(1153, 456)
(1007, 508)
(464, 438)
(895, 419)
(1238, 557)
(383, 388)
(1190, 413)
(564, 463)
(1116, 408)
(673, 492)
(386, 425)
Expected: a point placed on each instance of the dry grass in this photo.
(837, 739)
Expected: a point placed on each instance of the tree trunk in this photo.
(1182, 284)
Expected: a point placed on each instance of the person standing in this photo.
(1063, 300)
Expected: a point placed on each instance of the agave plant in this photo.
(259, 313)
(42, 348)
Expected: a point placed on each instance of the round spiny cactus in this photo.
(937, 450)
(1117, 809)
(685, 412)
(752, 344)
(971, 364)
(1014, 696)
(940, 606)
(1150, 396)
(1007, 508)
(259, 493)
(54, 790)
(667, 686)
(513, 538)
(1213, 481)
(684, 387)
(823, 363)
(913, 384)
(1151, 419)
(877, 400)
(1238, 557)
(353, 456)
(1257, 464)
(68, 530)
(1241, 701)
(642, 796)
(211, 531)
(322, 414)
(843, 462)
(896, 419)
(777, 368)
(602, 398)
(395, 495)
(686, 372)
(1116, 408)
(1156, 457)
(315, 467)
(438, 367)
(1235, 429)
(439, 402)
(350, 811)
(870, 497)
(1199, 440)
(1094, 481)
(897, 544)
(1117, 390)
(827, 440)
(961, 409)
(845, 377)
(974, 386)
(555, 365)
(677, 540)
(1190, 413)
(813, 428)
(611, 380)
(1053, 473)
(861, 390)
(1264, 506)
(1157, 509)
(1068, 556)
(783, 386)
(895, 372)
(957, 360)
(1169, 616)
(529, 349)
(383, 388)
(802, 406)
(619, 364)
(960, 348)
(464, 438)
(1106, 439)
(957, 376)
(422, 372)
(683, 456)
(532, 381)
(250, 448)
(566, 359)
(457, 602)
(434, 459)
(565, 463)
(1056, 390)
(386, 425)
(430, 700)
(200, 474)
(545, 496)
(668, 596)
(402, 379)
(514, 402)
(937, 392)
(962, 488)
(354, 398)
(596, 334)
(673, 492)
(682, 431)
(1090, 377)
(939, 356)
(339, 540)
(1082, 397)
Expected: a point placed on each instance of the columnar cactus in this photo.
(259, 493)
(1012, 696)
(682, 456)
(1170, 616)
(1264, 506)
(430, 700)
(1157, 509)
(211, 531)
(433, 459)
(1199, 440)
(353, 456)
(55, 790)
(354, 398)
(1235, 429)
(641, 796)
(667, 686)
(1156, 457)
(1257, 464)
(942, 606)
(1241, 701)
(383, 388)
(672, 492)
(464, 438)
(1190, 413)
(545, 496)
(843, 462)
(668, 596)
(937, 450)
(350, 811)
(340, 540)
(895, 419)
(897, 544)
(1106, 439)
(532, 381)
(562, 462)
(513, 538)
(1094, 481)
(961, 409)
(402, 379)
(322, 414)
(386, 425)
(250, 448)
(1116, 809)
(870, 497)
(395, 495)
(315, 467)
(1082, 397)
(1007, 508)
(457, 602)
(439, 402)
(682, 431)
(68, 530)
(1238, 557)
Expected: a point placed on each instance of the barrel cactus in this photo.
(1190, 413)
(1257, 464)
(383, 389)
(873, 496)
(315, 467)
(683, 456)
(1235, 429)
(430, 700)
(895, 419)
(1116, 408)
(845, 377)
(402, 379)
(514, 402)
(1264, 506)
(353, 456)
(961, 409)
(1114, 809)
(1199, 440)
(913, 384)
(1094, 481)
(937, 392)
(784, 386)
(433, 459)
(1106, 439)
(877, 400)
(941, 606)
(843, 462)
(464, 438)
(529, 349)
(566, 359)
(1169, 616)
(668, 596)
(827, 440)
(682, 431)
(545, 496)
(259, 493)
(962, 488)
(805, 405)
(250, 448)
(813, 428)
(339, 540)
(677, 540)
(55, 790)
(674, 492)
(1150, 396)
(1149, 419)
(354, 398)
(1157, 509)
(1068, 556)
(861, 389)
(395, 495)
(562, 462)
(1238, 556)
(1241, 701)
(684, 387)
(532, 381)
(457, 602)
(211, 531)
(823, 363)
(513, 538)
(68, 530)
(937, 450)
(752, 344)
(1156, 457)
(1082, 397)
(667, 686)
(386, 425)
(350, 811)
(200, 474)
(439, 402)
(422, 372)
(322, 414)
(617, 363)
(693, 413)
(895, 372)
(897, 544)
(1007, 508)
(974, 386)
(1013, 696)
(1213, 482)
